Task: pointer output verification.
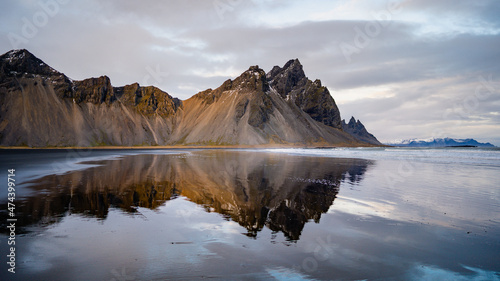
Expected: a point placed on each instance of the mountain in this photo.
(40, 107)
(358, 130)
(253, 109)
(439, 142)
(291, 83)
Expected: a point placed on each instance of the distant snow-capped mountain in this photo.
(438, 142)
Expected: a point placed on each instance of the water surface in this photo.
(345, 214)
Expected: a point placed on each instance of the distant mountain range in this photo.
(42, 107)
(439, 142)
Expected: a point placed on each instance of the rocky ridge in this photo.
(42, 107)
(292, 84)
(358, 130)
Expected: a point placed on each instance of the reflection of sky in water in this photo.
(439, 222)
(423, 272)
(460, 196)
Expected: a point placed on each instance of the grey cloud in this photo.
(420, 111)
(415, 59)
(469, 12)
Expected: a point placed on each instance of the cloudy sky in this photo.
(406, 68)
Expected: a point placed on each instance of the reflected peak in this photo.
(254, 189)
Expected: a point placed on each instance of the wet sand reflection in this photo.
(253, 189)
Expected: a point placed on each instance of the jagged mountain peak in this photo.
(21, 61)
(17, 54)
(286, 77)
(291, 83)
(292, 64)
(256, 71)
(254, 68)
(252, 79)
(358, 130)
(317, 83)
(353, 123)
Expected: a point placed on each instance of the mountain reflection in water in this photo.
(251, 188)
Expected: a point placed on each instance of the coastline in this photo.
(198, 146)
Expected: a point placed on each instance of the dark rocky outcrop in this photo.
(19, 62)
(148, 100)
(288, 78)
(94, 90)
(311, 97)
(358, 130)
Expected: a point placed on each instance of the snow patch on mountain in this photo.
(437, 142)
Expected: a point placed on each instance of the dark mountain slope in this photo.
(358, 130)
(291, 83)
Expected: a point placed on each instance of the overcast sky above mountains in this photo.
(406, 69)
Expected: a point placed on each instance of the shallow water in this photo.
(294, 214)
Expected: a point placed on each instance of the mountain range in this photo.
(42, 107)
(439, 142)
